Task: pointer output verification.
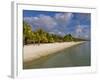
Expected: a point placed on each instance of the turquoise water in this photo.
(78, 55)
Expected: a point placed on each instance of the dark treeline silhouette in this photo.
(41, 36)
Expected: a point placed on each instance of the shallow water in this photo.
(78, 55)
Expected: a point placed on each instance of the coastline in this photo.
(32, 52)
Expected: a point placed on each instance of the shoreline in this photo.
(32, 52)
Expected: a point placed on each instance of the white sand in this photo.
(32, 52)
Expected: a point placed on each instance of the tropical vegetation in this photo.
(40, 36)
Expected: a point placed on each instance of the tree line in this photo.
(41, 36)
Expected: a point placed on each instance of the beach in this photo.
(32, 52)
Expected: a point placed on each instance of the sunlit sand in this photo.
(32, 51)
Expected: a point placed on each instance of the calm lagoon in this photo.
(78, 55)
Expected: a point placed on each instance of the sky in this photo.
(60, 23)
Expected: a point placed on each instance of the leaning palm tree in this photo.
(27, 33)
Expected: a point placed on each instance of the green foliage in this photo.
(27, 33)
(44, 39)
(68, 38)
(40, 36)
(51, 40)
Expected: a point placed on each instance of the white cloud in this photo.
(41, 21)
(28, 19)
(82, 31)
(63, 18)
(61, 33)
(59, 22)
(59, 19)
(47, 21)
(79, 29)
(35, 18)
(56, 31)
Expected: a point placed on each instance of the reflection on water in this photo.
(78, 55)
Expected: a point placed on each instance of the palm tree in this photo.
(27, 32)
(68, 38)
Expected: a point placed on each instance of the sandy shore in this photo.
(32, 52)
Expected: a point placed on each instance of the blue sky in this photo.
(60, 23)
